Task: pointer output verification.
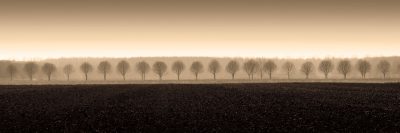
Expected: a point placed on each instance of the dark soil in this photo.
(275, 107)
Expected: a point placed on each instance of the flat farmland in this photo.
(230, 107)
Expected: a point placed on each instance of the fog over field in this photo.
(198, 30)
(132, 74)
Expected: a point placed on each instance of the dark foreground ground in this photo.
(282, 107)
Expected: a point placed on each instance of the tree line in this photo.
(250, 67)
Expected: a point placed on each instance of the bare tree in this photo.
(49, 69)
(178, 68)
(123, 68)
(31, 68)
(269, 67)
(86, 68)
(344, 67)
(196, 68)
(307, 68)
(384, 67)
(12, 70)
(261, 62)
(251, 67)
(363, 67)
(68, 69)
(143, 68)
(289, 67)
(160, 68)
(232, 68)
(214, 67)
(104, 67)
(398, 68)
(326, 66)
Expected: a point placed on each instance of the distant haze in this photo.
(133, 74)
(235, 28)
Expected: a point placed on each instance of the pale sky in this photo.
(225, 28)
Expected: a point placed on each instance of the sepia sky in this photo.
(249, 28)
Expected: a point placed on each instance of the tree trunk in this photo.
(123, 71)
(31, 73)
(11, 76)
(326, 76)
(288, 75)
(105, 76)
(214, 76)
(233, 76)
(49, 76)
(196, 75)
(178, 77)
(86, 76)
(67, 77)
(270, 75)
